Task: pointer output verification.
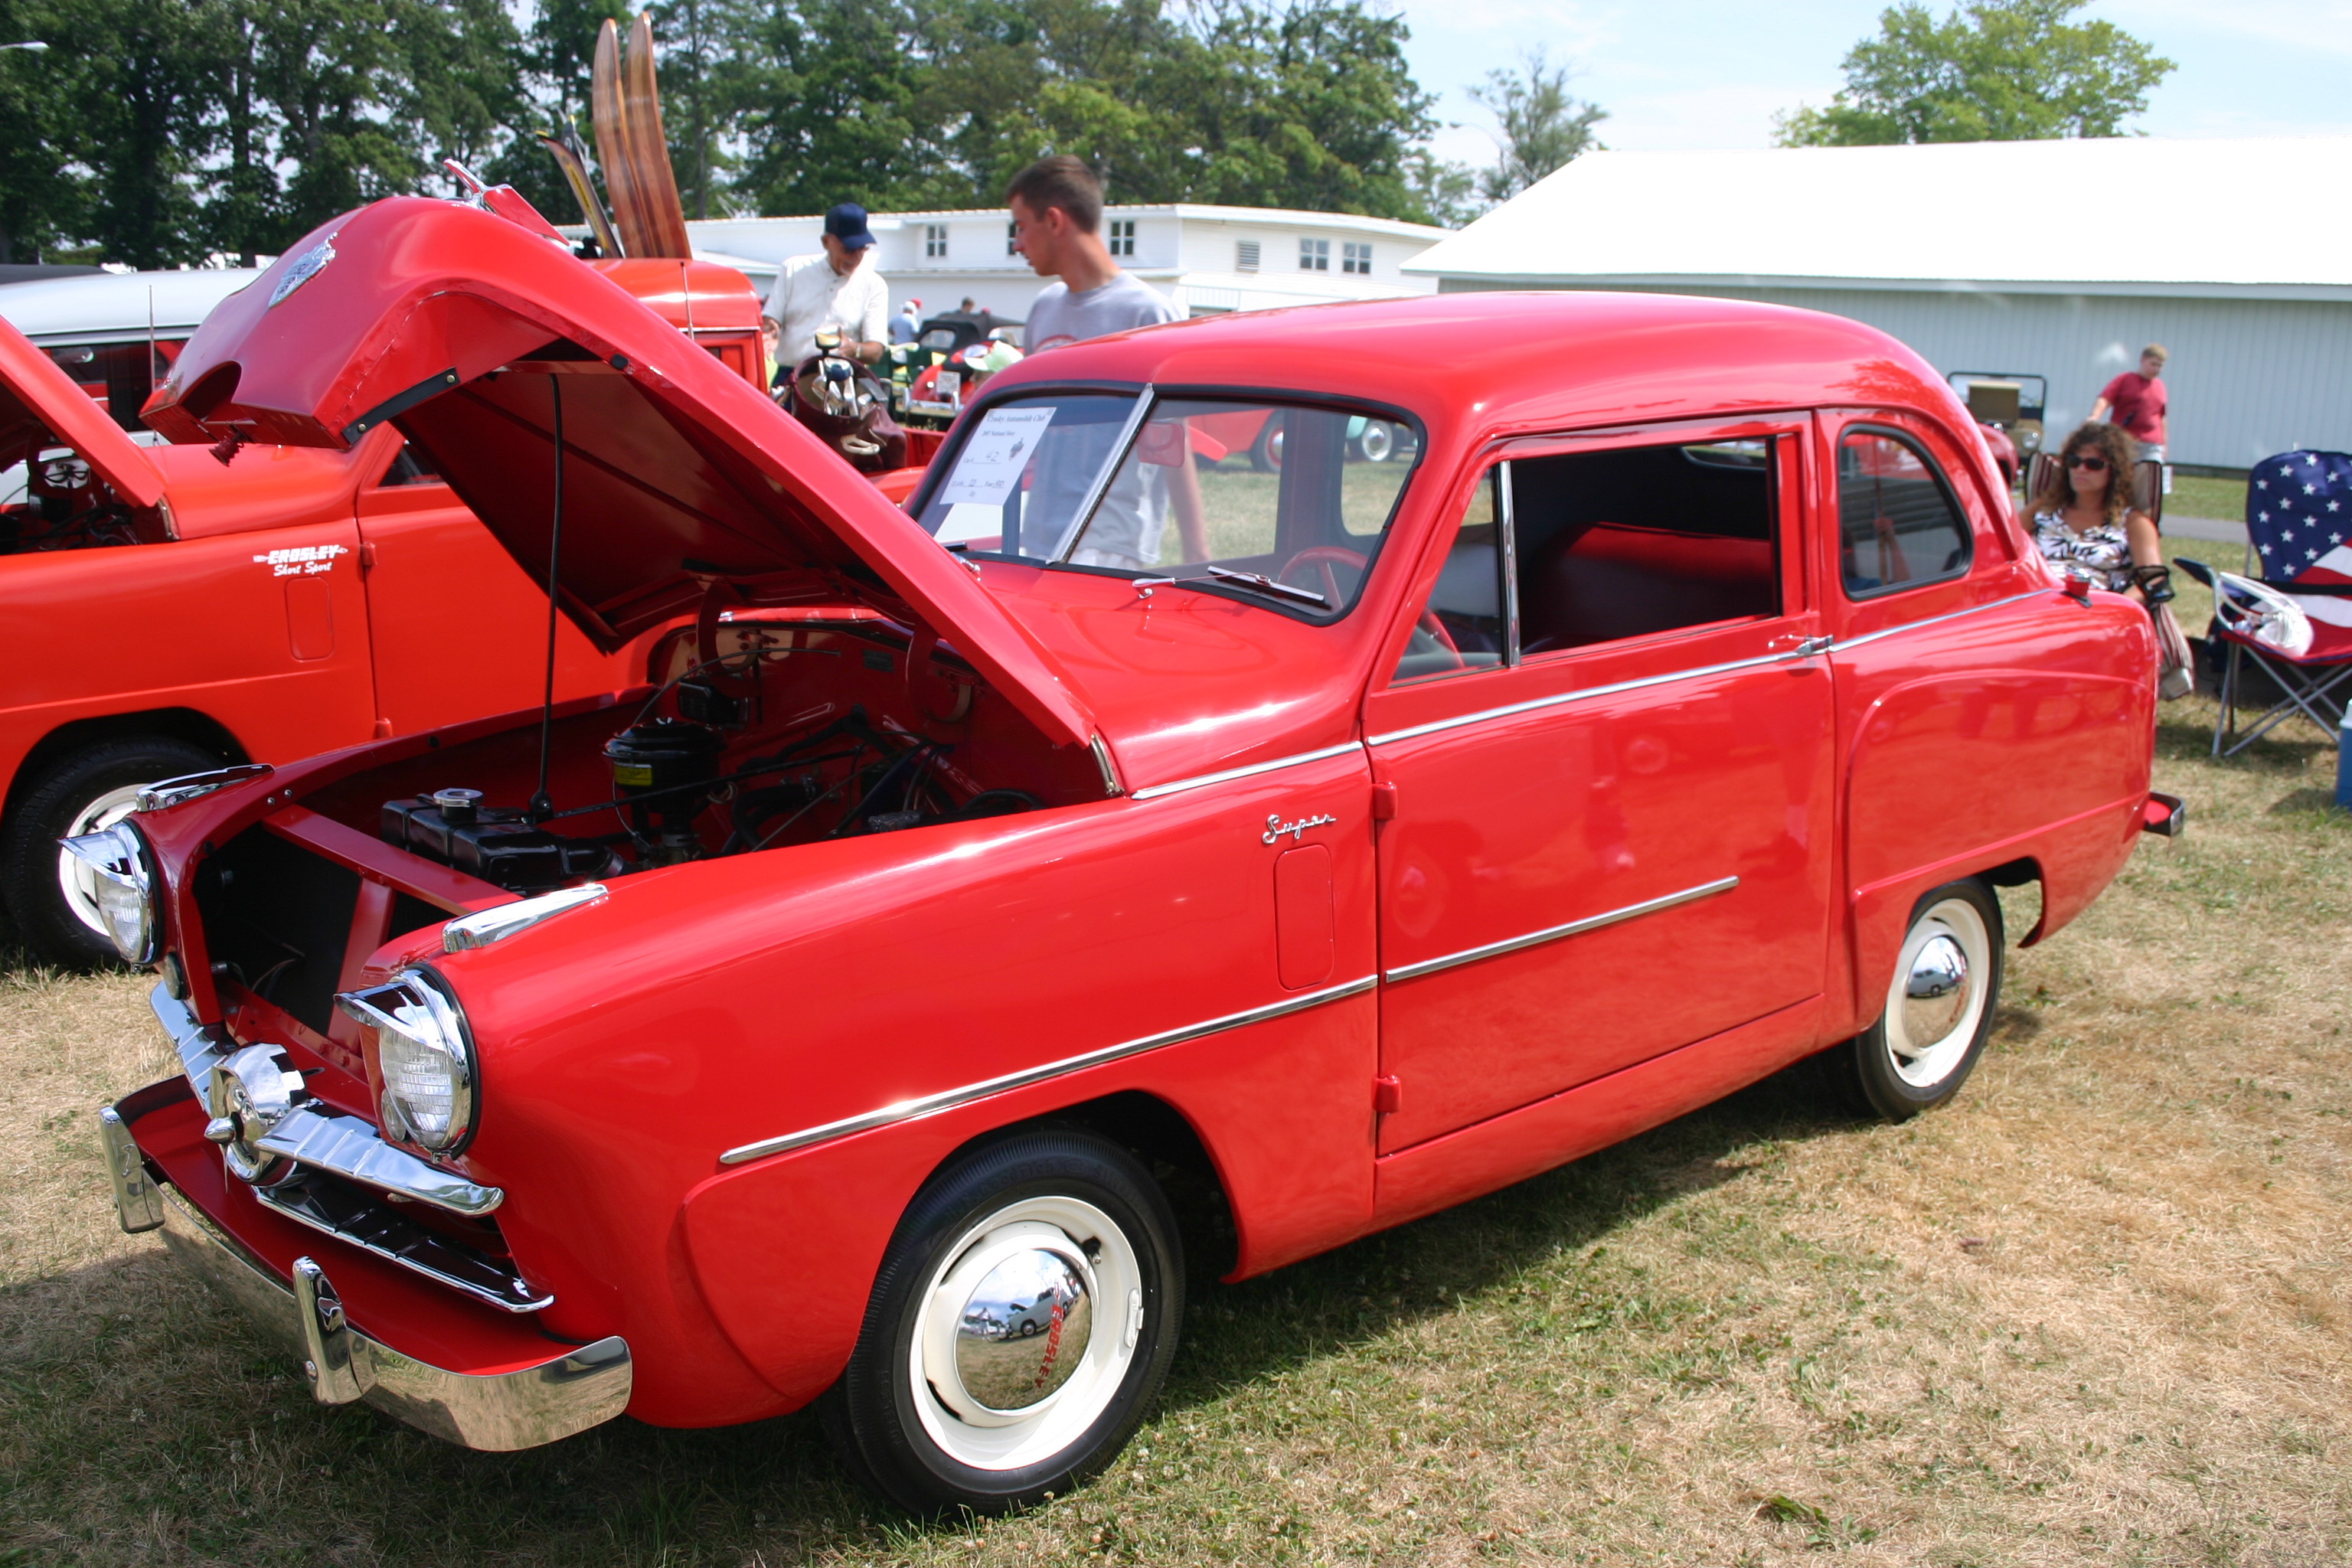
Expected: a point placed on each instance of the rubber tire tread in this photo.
(1859, 1072)
(865, 1414)
(28, 875)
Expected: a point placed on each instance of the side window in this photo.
(1897, 526)
(1462, 626)
(1643, 540)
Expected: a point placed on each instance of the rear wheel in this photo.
(954, 1396)
(1938, 1010)
(1265, 452)
(1377, 443)
(52, 895)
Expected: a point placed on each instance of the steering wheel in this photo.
(1326, 558)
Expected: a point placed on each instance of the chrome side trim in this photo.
(571, 1392)
(1939, 620)
(485, 927)
(1202, 780)
(137, 1205)
(949, 1099)
(1809, 648)
(1554, 933)
(341, 1145)
(347, 1147)
(1559, 699)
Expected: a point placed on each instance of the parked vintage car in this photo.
(965, 925)
(289, 603)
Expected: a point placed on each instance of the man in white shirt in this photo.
(832, 291)
(1057, 205)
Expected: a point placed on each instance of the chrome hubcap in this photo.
(1025, 1333)
(1938, 1000)
(1025, 1330)
(77, 879)
(1936, 995)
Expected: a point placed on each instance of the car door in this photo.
(459, 629)
(1606, 749)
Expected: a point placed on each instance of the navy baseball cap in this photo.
(846, 223)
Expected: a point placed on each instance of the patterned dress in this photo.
(2103, 551)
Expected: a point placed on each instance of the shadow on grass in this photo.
(149, 1421)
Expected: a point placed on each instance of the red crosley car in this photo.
(971, 903)
(285, 603)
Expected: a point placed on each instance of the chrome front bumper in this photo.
(520, 1408)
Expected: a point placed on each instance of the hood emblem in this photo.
(306, 266)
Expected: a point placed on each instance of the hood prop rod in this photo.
(542, 804)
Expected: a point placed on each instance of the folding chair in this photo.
(2299, 518)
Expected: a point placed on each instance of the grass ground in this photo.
(2096, 1311)
(2224, 499)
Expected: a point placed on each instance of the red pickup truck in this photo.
(287, 602)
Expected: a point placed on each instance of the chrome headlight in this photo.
(424, 1056)
(126, 889)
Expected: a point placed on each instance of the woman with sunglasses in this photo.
(2083, 516)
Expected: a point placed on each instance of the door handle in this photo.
(1803, 647)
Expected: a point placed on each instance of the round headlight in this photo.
(126, 889)
(424, 1056)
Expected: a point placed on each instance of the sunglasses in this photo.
(2095, 465)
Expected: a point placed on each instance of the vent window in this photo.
(1246, 255)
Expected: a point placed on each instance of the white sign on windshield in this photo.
(993, 459)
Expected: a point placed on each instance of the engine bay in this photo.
(767, 730)
(50, 498)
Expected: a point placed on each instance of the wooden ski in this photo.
(650, 176)
(609, 110)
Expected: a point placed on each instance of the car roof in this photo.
(1564, 356)
(112, 307)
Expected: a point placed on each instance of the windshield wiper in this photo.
(1258, 582)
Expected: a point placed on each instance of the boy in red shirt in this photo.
(2136, 402)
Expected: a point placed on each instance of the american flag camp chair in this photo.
(2293, 620)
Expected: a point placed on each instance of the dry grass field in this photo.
(2095, 1312)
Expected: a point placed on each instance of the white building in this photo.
(2056, 258)
(1208, 259)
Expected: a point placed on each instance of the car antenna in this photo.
(542, 805)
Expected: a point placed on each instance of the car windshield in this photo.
(1275, 503)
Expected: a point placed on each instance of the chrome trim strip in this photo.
(949, 1099)
(1202, 780)
(1939, 620)
(1787, 655)
(580, 1387)
(1573, 927)
(1535, 704)
(348, 1147)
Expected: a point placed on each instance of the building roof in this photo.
(2259, 218)
(1191, 211)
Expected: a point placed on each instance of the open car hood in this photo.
(38, 402)
(680, 480)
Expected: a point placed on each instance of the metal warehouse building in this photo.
(2050, 258)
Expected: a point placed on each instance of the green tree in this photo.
(41, 199)
(1540, 127)
(1993, 70)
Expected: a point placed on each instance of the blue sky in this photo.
(1709, 73)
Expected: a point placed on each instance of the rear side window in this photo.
(1897, 525)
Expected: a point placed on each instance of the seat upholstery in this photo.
(1609, 580)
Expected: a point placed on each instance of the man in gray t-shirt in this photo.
(1057, 205)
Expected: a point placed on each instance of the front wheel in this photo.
(52, 895)
(1938, 1010)
(939, 1407)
